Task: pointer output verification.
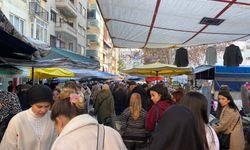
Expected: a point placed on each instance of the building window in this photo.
(18, 23)
(84, 12)
(62, 44)
(52, 41)
(71, 46)
(39, 30)
(52, 15)
(80, 8)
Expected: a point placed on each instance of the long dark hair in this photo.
(197, 103)
(163, 91)
(231, 103)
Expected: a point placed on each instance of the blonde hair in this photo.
(135, 105)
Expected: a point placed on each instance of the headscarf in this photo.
(177, 130)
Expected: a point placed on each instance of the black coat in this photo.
(181, 57)
(232, 56)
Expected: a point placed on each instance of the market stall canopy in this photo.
(43, 73)
(87, 73)
(158, 69)
(16, 46)
(166, 23)
(205, 72)
(8, 71)
(234, 77)
(60, 62)
(79, 60)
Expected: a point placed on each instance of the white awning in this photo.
(164, 23)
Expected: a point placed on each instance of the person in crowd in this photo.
(197, 103)
(9, 106)
(133, 124)
(206, 90)
(230, 121)
(78, 130)
(33, 128)
(22, 90)
(87, 94)
(56, 93)
(137, 88)
(178, 131)
(104, 106)
(96, 88)
(245, 98)
(162, 100)
(10, 86)
(177, 95)
(120, 97)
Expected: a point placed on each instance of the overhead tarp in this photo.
(82, 61)
(61, 62)
(44, 73)
(164, 23)
(17, 46)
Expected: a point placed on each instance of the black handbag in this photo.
(224, 139)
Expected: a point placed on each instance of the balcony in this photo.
(67, 8)
(66, 28)
(36, 10)
(93, 23)
(93, 39)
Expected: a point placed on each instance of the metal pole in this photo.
(32, 75)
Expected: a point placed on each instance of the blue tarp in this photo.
(234, 77)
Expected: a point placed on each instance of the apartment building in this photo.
(99, 44)
(60, 23)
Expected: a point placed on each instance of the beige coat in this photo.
(228, 119)
(81, 134)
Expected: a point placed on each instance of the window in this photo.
(71, 46)
(52, 15)
(39, 30)
(62, 44)
(84, 12)
(80, 8)
(18, 23)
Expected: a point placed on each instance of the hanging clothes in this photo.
(232, 56)
(181, 57)
(211, 55)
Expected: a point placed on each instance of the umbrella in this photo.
(158, 69)
(42, 73)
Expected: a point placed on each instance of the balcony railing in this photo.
(67, 7)
(36, 9)
(65, 27)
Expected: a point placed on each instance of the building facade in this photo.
(99, 44)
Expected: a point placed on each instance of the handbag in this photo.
(224, 139)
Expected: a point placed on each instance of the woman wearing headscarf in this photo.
(78, 130)
(177, 131)
(230, 121)
(197, 103)
(32, 129)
